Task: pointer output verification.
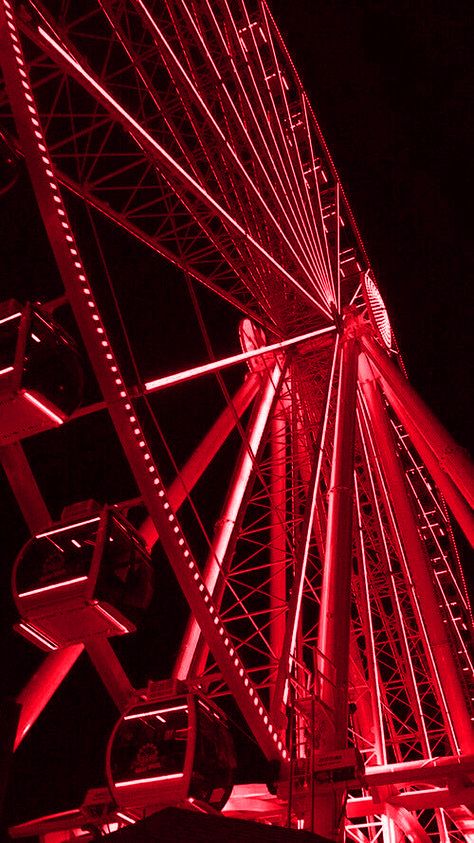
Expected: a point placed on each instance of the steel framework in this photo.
(327, 601)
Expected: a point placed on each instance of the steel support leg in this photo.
(41, 687)
(456, 502)
(225, 536)
(278, 532)
(335, 612)
(24, 487)
(110, 671)
(205, 452)
(453, 461)
(452, 699)
(333, 637)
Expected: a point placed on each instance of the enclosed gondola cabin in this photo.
(84, 577)
(168, 751)
(41, 377)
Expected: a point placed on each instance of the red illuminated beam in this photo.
(224, 540)
(44, 409)
(41, 687)
(116, 395)
(450, 693)
(225, 362)
(416, 416)
(303, 256)
(150, 780)
(24, 487)
(52, 586)
(179, 177)
(205, 452)
(139, 715)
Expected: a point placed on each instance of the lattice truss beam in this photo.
(185, 125)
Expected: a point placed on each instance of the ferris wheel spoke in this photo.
(184, 124)
(320, 168)
(293, 117)
(405, 734)
(275, 140)
(218, 144)
(118, 399)
(207, 449)
(109, 191)
(218, 365)
(218, 172)
(219, 280)
(238, 130)
(180, 178)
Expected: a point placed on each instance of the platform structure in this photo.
(272, 449)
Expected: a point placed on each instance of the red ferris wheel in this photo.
(251, 423)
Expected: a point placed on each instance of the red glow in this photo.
(133, 782)
(217, 365)
(51, 587)
(9, 318)
(126, 818)
(110, 617)
(177, 170)
(279, 545)
(155, 711)
(39, 637)
(53, 416)
(69, 527)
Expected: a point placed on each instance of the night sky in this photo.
(391, 83)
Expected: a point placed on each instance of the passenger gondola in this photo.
(40, 372)
(89, 575)
(166, 751)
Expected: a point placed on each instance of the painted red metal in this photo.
(107, 372)
(329, 621)
(225, 539)
(416, 416)
(204, 453)
(451, 695)
(332, 654)
(41, 687)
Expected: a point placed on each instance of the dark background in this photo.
(391, 83)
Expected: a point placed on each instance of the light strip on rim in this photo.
(7, 369)
(147, 781)
(51, 587)
(111, 618)
(155, 711)
(179, 377)
(126, 818)
(8, 318)
(69, 527)
(35, 634)
(226, 650)
(53, 416)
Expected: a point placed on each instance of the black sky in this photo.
(391, 83)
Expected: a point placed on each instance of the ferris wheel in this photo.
(250, 425)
